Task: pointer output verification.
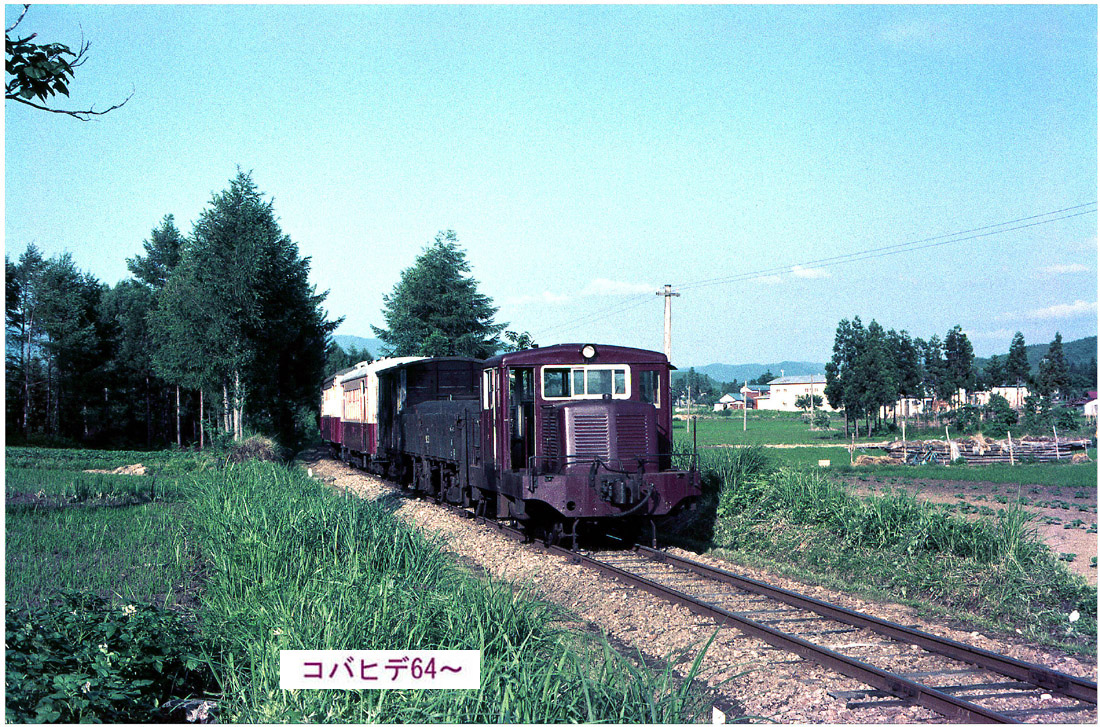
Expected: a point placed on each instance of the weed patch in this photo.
(80, 658)
(295, 566)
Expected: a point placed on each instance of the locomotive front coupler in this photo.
(618, 487)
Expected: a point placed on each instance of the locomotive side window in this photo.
(649, 387)
(578, 383)
(555, 383)
(486, 389)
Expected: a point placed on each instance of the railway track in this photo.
(902, 666)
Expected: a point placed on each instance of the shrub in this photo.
(81, 659)
(255, 448)
(1067, 418)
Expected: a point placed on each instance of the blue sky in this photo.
(587, 155)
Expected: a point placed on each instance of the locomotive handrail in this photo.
(562, 461)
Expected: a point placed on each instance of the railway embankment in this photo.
(748, 676)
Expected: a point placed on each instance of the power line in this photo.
(872, 253)
(961, 236)
(883, 251)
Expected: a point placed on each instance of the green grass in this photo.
(770, 428)
(764, 427)
(169, 463)
(1049, 474)
(69, 486)
(992, 570)
(133, 553)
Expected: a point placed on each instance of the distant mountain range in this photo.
(1080, 351)
(373, 345)
(1077, 353)
(747, 372)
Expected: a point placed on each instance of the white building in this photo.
(785, 390)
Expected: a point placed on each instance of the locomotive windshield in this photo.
(582, 382)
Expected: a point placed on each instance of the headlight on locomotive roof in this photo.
(588, 351)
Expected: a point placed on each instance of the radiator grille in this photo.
(550, 439)
(590, 432)
(632, 435)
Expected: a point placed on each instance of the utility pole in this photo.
(668, 294)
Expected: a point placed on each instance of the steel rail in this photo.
(1055, 681)
(912, 692)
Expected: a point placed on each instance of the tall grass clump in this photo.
(295, 566)
(995, 567)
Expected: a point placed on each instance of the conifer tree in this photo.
(1053, 371)
(238, 316)
(162, 255)
(843, 383)
(153, 269)
(906, 358)
(436, 309)
(958, 360)
(1017, 368)
(937, 383)
(995, 371)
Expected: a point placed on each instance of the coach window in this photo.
(649, 387)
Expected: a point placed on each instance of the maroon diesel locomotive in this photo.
(555, 436)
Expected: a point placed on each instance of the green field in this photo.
(806, 522)
(778, 428)
(764, 427)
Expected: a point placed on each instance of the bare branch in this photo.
(81, 115)
(20, 19)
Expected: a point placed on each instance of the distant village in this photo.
(799, 393)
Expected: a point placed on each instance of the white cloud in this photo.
(810, 273)
(603, 286)
(1063, 269)
(1064, 310)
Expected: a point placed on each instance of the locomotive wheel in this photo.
(555, 533)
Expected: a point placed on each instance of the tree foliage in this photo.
(1054, 376)
(958, 360)
(436, 309)
(703, 389)
(239, 317)
(39, 71)
(1017, 368)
